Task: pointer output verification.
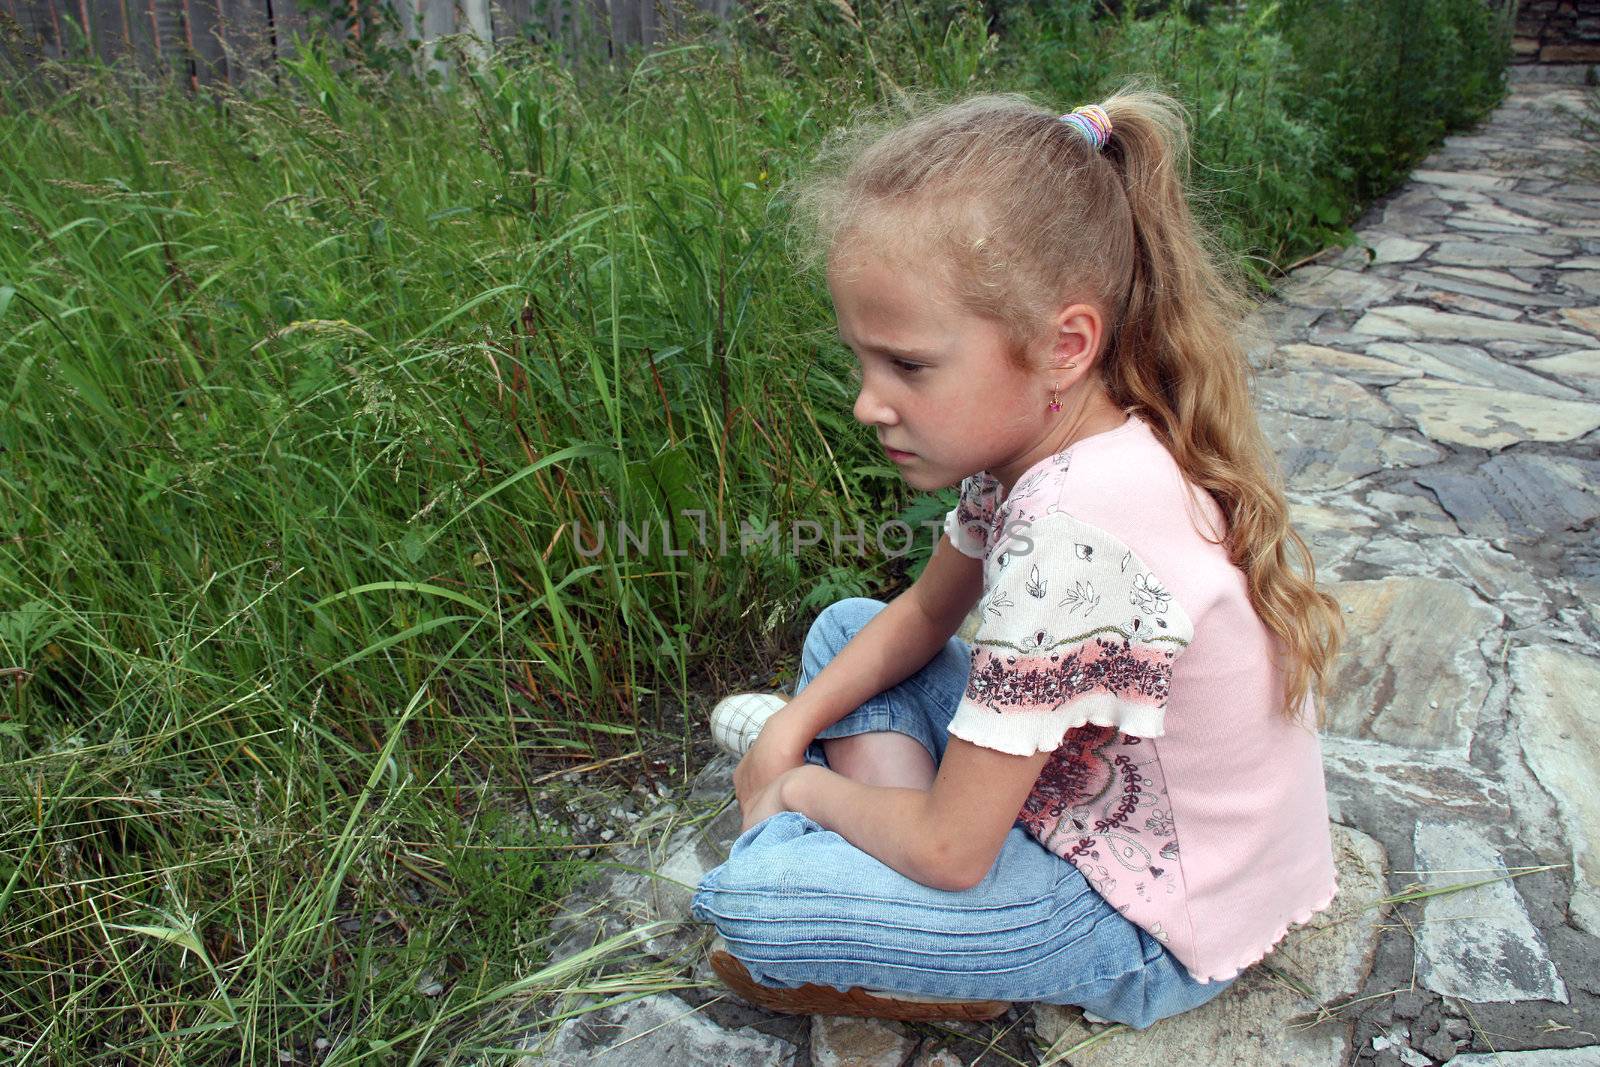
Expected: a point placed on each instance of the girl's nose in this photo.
(870, 411)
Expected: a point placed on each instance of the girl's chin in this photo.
(920, 478)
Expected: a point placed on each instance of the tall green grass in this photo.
(302, 391)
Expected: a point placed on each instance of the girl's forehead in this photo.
(887, 283)
(888, 301)
(856, 266)
(892, 239)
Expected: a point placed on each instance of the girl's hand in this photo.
(778, 748)
(766, 804)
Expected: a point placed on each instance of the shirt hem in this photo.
(1023, 733)
(960, 538)
(1259, 954)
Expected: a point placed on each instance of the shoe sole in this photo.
(813, 999)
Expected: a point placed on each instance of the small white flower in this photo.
(1148, 595)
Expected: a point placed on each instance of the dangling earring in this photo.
(1055, 405)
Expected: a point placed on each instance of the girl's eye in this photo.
(909, 368)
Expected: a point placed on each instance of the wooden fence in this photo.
(212, 41)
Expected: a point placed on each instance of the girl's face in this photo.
(936, 383)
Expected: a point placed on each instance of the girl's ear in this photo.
(1079, 335)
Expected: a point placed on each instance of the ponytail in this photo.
(1177, 357)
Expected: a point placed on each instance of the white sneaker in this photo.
(736, 720)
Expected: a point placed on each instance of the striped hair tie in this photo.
(1093, 122)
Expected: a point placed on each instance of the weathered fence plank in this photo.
(108, 24)
(438, 18)
(247, 37)
(208, 42)
(209, 65)
(51, 41)
(28, 26)
(567, 23)
(141, 35)
(288, 22)
(474, 20)
(510, 18)
(167, 18)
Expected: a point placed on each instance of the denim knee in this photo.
(834, 626)
(757, 866)
(1158, 990)
(797, 903)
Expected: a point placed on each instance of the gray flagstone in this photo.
(1477, 944)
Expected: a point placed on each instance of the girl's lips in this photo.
(896, 454)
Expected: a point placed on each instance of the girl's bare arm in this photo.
(896, 643)
(946, 837)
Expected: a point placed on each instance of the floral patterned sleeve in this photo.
(1074, 629)
(968, 524)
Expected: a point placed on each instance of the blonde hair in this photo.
(1015, 212)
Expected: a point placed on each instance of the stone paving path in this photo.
(1435, 397)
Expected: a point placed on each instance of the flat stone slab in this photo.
(1415, 216)
(1558, 723)
(1518, 496)
(1499, 577)
(1481, 417)
(1496, 303)
(1477, 944)
(1457, 296)
(1546, 244)
(1360, 770)
(1394, 249)
(1486, 254)
(1410, 673)
(1588, 1056)
(1319, 454)
(1492, 214)
(1480, 228)
(1355, 366)
(1321, 395)
(1584, 281)
(1416, 510)
(1332, 534)
(1496, 279)
(1462, 179)
(1586, 319)
(1582, 367)
(1468, 365)
(1413, 322)
(1261, 1020)
(847, 1041)
(1324, 287)
(656, 1030)
(1555, 211)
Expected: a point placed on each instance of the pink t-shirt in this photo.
(1114, 635)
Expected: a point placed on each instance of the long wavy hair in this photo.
(1017, 215)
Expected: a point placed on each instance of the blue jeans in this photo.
(797, 903)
